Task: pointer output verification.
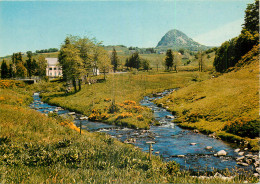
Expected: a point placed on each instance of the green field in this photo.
(122, 88)
(39, 149)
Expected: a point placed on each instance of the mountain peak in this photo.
(176, 38)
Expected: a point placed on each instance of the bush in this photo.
(244, 127)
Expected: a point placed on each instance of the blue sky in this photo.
(35, 25)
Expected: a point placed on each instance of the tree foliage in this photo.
(251, 19)
(133, 61)
(42, 64)
(71, 62)
(114, 60)
(4, 70)
(80, 56)
(230, 52)
(169, 59)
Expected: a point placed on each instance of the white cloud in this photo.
(221, 34)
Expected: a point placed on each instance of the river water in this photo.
(171, 141)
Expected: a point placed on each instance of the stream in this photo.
(186, 147)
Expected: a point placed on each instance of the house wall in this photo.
(53, 71)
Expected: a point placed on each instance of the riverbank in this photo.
(226, 106)
(36, 148)
(116, 100)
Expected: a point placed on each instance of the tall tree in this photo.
(145, 64)
(169, 59)
(230, 52)
(133, 61)
(4, 70)
(28, 64)
(177, 61)
(72, 64)
(251, 19)
(61, 56)
(114, 59)
(21, 71)
(42, 64)
(11, 71)
(103, 61)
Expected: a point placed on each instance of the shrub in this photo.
(140, 117)
(124, 115)
(129, 102)
(97, 115)
(244, 127)
(113, 108)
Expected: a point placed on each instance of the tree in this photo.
(29, 64)
(176, 61)
(252, 17)
(21, 71)
(61, 56)
(86, 47)
(145, 64)
(127, 63)
(4, 70)
(103, 61)
(230, 52)
(133, 61)
(114, 59)
(169, 59)
(72, 64)
(42, 65)
(11, 71)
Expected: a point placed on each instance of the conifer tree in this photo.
(4, 70)
(114, 60)
(169, 59)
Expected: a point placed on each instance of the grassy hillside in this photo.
(228, 105)
(35, 148)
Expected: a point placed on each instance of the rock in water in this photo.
(237, 150)
(241, 153)
(221, 153)
(208, 147)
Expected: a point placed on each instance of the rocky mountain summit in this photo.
(177, 39)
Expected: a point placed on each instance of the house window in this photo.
(54, 68)
(50, 68)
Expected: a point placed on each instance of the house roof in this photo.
(52, 61)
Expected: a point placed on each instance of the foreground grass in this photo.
(35, 148)
(126, 90)
(227, 105)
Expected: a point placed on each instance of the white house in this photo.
(53, 69)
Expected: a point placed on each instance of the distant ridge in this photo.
(177, 39)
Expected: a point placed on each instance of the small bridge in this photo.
(29, 80)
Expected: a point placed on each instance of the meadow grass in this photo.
(35, 148)
(216, 104)
(95, 100)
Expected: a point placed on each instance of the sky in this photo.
(35, 25)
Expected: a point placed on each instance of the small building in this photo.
(53, 69)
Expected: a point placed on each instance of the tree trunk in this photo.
(79, 81)
(104, 75)
(74, 85)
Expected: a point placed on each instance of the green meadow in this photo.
(39, 149)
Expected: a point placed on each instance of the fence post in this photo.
(150, 149)
(80, 126)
